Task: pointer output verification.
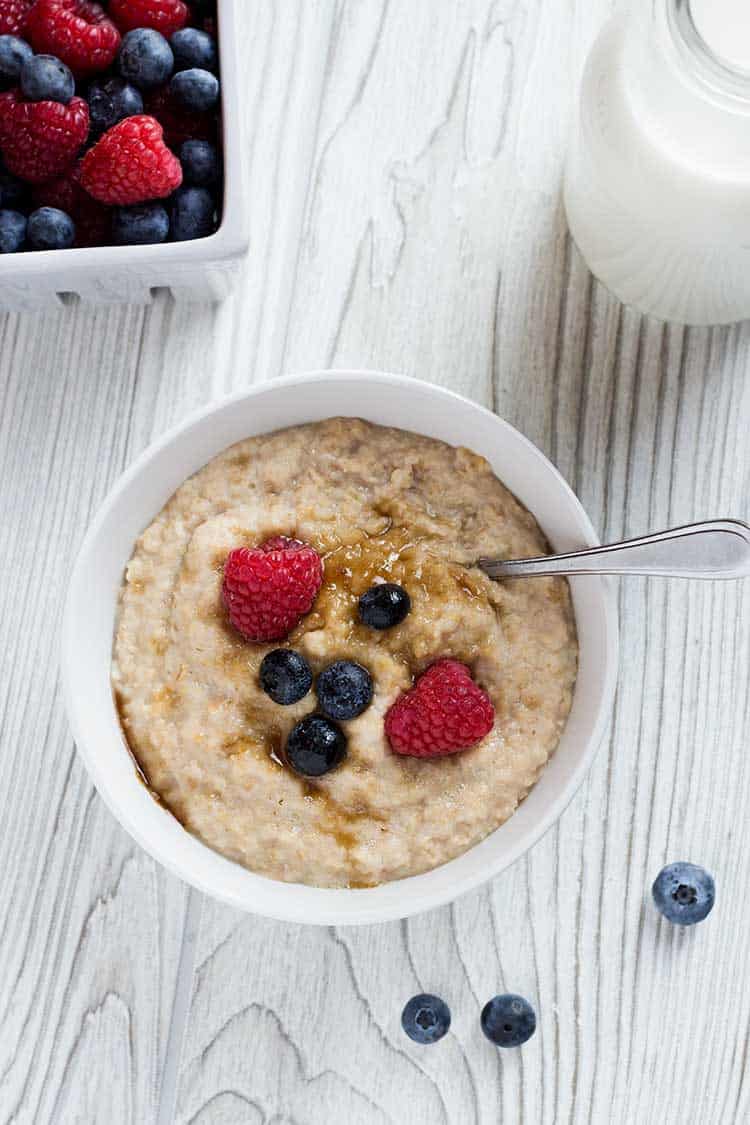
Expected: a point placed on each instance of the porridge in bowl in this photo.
(312, 675)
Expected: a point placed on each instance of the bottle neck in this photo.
(695, 33)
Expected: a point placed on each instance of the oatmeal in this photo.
(378, 505)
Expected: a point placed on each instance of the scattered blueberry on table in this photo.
(684, 893)
(426, 1018)
(105, 108)
(383, 606)
(508, 1020)
(315, 746)
(344, 690)
(285, 676)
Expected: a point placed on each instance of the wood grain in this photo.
(405, 165)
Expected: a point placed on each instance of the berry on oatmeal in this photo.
(131, 164)
(285, 676)
(39, 140)
(166, 16)
(445, 711)
(383, 606)
(79, 32)
(50, 229)
(267, 590)
(46, 78)
(315, 746)
(344, 690)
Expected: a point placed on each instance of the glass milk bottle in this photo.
(657, 184)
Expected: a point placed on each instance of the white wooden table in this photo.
(405, 191)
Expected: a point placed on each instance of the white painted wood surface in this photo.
(405, 161)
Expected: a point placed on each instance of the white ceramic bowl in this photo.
(141, 492)
(200, 270)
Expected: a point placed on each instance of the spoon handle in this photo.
(715, 549)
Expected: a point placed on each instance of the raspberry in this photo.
(131, 164)
(179, 124)
(267, 590)
(166, 16)
(77, 31)
(444, 712)
(93, 220)
(39, 140)
(13, 16)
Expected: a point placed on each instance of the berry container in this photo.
(200, 270)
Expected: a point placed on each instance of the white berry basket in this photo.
(200, 270)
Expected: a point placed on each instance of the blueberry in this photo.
(383, 606)
(50, 229)
(195, 89)
(46, 79)
(285, 675)
(315, 746)
(192, 47)
(684, 893)
(111, 101)
(508, 1021)
(140, 225)
(12, 231)
(344, 690)
(145, 58)
(200, 163)
(14, 52)
(425, 1019)
(192, 213)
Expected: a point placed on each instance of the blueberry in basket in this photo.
(109, 117)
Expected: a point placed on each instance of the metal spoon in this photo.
(716, 549)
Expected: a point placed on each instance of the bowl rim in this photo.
(297, 901)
